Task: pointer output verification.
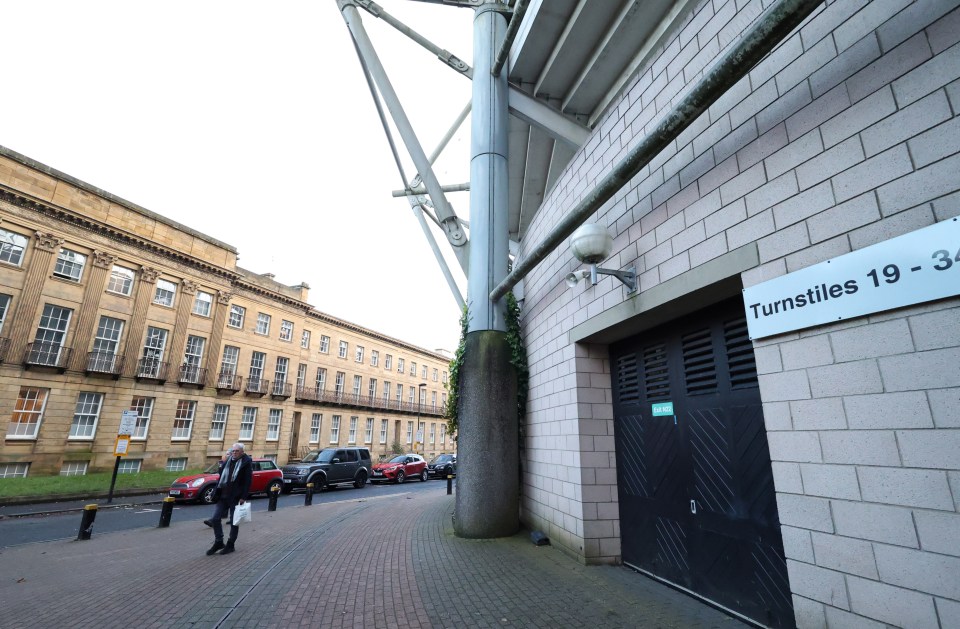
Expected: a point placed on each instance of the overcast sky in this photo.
(251, 122)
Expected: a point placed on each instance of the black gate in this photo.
(697, 502)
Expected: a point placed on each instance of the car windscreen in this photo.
(323, 456)
(398, 459)
(213, 469)
(443, 458)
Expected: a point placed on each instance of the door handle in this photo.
(693, 507)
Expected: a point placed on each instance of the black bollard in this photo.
(308, 497)
(274, 492)
(86, 521)
(449, 484)
(165, 512)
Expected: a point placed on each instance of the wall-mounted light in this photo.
(591, 244)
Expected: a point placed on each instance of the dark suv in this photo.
(442, 466)
(330, 466)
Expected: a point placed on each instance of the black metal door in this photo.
(697, 503)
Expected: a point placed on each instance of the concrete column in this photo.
(44, 246)
(145, 291)
(187, 290)
(212, 360)
(100, 266)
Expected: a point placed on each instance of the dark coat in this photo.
(236, 490)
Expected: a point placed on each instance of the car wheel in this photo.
(360, 480)
(319, 482)
(424, 476)
(206, 494)
(400, 477)
(272, 484)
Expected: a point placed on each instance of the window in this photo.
(372, 389)
(423, 372)
(413, 393)
(444, 377)
(338, 383)
(104, 355)
(74, 468)
(443, 434)
(247, 423)
(153, 348)
(273, 424)
(183, 420)
(202, 304)
(85, 415)
(4, 306)
(228, 365)
(144, 408)
(301, 375)
(14, 470)
(399, 365)
(435, 374)
(192, 359)
(383, 431)
(352, 437)
(324, 344)
(280, 373)
(399, 394)
(315, 423)
(443, 401)
(121, 280)
(129, 466)
(335, 429)
(343, 349)
(263, 324)
(272, 457)
(257, 361)
(286, 330)
(358, 354)
(388, 362)
(433, 400)
(409, 432)
(11, 251)
(69, 265)
(357, 385)
(219, 424)
(48, 343)
(27, 413)
(374, 358)
(321, 379)
(165, 293)
(237, 313)
(413, 368)
(368, 435)
(305, 339)
(386, 391)
(177, 464)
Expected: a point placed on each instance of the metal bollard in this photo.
(86, 521)
(165, 512)
(274, 492)
(308, 497)
(449, 484)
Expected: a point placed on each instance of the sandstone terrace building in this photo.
(106, 306)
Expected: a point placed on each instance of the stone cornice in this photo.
(340, 323)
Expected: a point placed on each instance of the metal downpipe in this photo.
(512, 29)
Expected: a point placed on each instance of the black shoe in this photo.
(227, 549)
(208, 523)
(217, 545)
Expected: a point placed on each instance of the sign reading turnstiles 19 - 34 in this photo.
(921, 266)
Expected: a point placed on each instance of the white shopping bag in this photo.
(242, 513)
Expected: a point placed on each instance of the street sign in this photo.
(128, 423)
(122, 445)
(662, 409)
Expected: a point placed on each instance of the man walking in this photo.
(233, 486)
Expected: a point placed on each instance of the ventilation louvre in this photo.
(656, 383)
(740, 357)
(628, 387)
(699, 366)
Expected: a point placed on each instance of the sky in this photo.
(251, 122)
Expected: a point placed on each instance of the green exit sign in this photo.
(662, 409)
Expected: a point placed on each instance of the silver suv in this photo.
(330, 466)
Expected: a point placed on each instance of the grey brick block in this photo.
(947, 207)
(711, 135)
(823, 108)
(844, 65)
(862, 447)
(743, 183)
(755, 149)
(888, 410)
(939, 532)
(909, 21)
(784, 386)
(797, 544)
(949, 612)
(896, 225)
(937, 449)
(867, 19)
(927, 572)
(815, 57)
(709, 249)
(797, 152)
(789, 50)
(892, 605)
(858, 117)
(768, 359)
(739, 91)
(722, 172)
(923, 185)
(776, 416)
(806, 352)
(845, 379)
(911, 488)
(723, 219)
(805, 512)
(840, 219)
(933, 74)
(750, 230)
(724, 14)
(679, 263)
(839, 619)
(697, 168)
(923, 370)
(779, 110)
(818, 253)
(879, 523)
(890, 66)
(826, 586)
(830, 162)
(808, 614)
(759, 98)
(943, 405)
(946, 32)
(768, 195)
(937, 143)
(872, 173)
(821, 24)
(804, 205)
(794, 446)
(786, 477)
(870, 341)
(845, 554)
(830, 481)
(783, 242)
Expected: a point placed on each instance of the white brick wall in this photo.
(847, 135)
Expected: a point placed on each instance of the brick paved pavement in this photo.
(367, 562)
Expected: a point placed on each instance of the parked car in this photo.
(443, 465)
(199, 487)
(330, 466)
(400, 468)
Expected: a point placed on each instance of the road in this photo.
(17, 531)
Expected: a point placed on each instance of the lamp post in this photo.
(420, 386)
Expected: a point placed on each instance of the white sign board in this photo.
(128, 422)
(914, 268)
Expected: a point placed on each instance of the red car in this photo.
(400, 468)
(199, 487)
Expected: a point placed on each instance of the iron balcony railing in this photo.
(47, 354)
(192, 374)
(104, 362)
(312, 394)
(281, 389)
(228, 381)
(151, 369)
(306, 394)
(256, 386)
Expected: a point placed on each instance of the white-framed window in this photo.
(316, 421)
(183, 420)
(335, 429)
(338, 383)
(305, 339)
(48, 342)
(386, 391)
(301, 375)
(129, 466)
(263, 324)
(358, 354)
(103, 357)
(412, 396)
(144, 408)
(433, 434)
(321, 379)
(247, 423)
(286, 330)
(383, 430)
(409, 432)
(202, 304)
(368, 433)
(357, 385)
(444, 377)
(443, 400)
(273, 424)
(14, 470)
(324, 344)
(280, 373)
(343, 349)
(400, 365)
(413, 368)
(69, 265)
(423, 395)
(374, 358)
(352, 437)
(372, 389)
(4, 307)
(165, 293)
(443, 434)
(399, 394)
(193, 358)
(228, 364)
(176, 464)
(153, 348)
(423, 372)
(387, 362)
(85, 415)
(74, 468)
(12, 246)
(218, 426)
(27, 413)
(121, 280)
(433, 400)
(237, 315)
(436, 374)
(271, 457)
(257, 362)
